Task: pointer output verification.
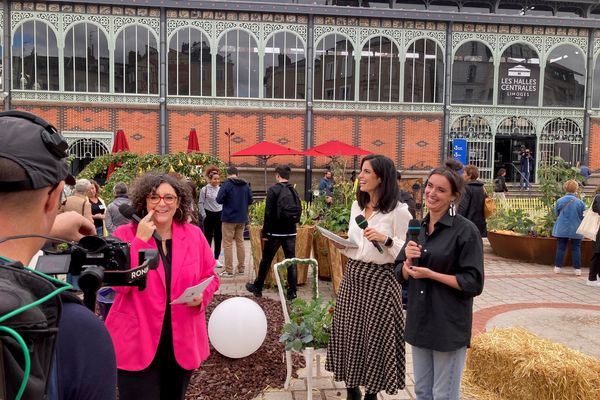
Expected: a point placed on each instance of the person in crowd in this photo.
(279, 231)
(78, 201)
(159, 344)
(569, 211)
(211, 210)
(500, 184)
(114, 218)
(326, 186)
(98, 207)
(584, 171)
(235, 196)
(367, 335)
(445, 271)
(526, 168)
(473, 199)
(32, 176)
(405, 197)
(595, 264)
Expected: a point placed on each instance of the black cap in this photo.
(232, 170)
(37, 147)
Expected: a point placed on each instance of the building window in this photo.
(519, 76)
(189, 64)
(86, 59)
(334, 68)
(424, 72)
(564, 77)
(136, 61)
(473, 74)
(561, 137)
(238, 58)
(35, 57)
(379, 71)
(478, 132)
(285, 67)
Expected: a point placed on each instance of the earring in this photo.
(180, 211)
(452, 210)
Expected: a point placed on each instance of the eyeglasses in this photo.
(167, 198)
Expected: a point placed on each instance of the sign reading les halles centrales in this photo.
(519, 85)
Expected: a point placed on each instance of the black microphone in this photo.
(362, 223)
(128, 212)
(414, 227)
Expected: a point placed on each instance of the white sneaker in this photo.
(577, 271)
(557, 270)
(592, 283)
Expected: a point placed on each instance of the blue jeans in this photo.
(561, 248)
(100, 231)
(524, 180)
(438, 373)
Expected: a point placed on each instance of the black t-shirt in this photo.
(97, 208)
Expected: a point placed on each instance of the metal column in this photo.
(309, 122)
(163, 139)
(588, 98)
(6, 61)
(447, 92)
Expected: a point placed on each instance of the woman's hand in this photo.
(372, 234)
(196, 301)
(412, 250)
(146, 227)
(418, 272)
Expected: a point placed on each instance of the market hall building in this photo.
(398, 77)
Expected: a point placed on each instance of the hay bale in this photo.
(516, 364)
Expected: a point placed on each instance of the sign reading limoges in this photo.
(518, 84)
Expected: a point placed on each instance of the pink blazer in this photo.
(136, 317)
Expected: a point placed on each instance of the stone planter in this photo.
(303, 250)
(541, 250)
(321, 254)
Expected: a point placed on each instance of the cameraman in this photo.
(526, 168)
(32, 176)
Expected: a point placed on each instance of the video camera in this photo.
(99, 261)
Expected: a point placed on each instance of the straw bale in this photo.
(515, 364)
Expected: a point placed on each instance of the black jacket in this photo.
(596, 209)
(407, 198)
(272, 225)
(471, 205)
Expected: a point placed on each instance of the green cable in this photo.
(20, 340)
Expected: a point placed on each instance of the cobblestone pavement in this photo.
(559, 307)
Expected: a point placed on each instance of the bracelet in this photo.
(388, 242)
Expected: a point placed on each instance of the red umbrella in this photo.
(335, 148)
(120, 144)
(193, 141)
(266, 150)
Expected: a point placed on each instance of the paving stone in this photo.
(302, 395)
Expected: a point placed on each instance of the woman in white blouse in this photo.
(367, 337)
(211, 210)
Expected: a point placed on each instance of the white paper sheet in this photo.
(338, 239)
(193, 291)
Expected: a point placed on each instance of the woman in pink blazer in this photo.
(158, 345)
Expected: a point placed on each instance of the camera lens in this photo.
(91, 279)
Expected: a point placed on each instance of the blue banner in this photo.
(459, 150)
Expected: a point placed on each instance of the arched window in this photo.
(136, 61)
(334, 68)
(519, 76)
(86, 59)
(596, 83)
(478, 132)
(189, 65)
(34, 57)
(561, 137)
(237, 65)
(473, 74)
(424, 72)
(564, 77)
(515, 126)
(285, 67)
(379, 71)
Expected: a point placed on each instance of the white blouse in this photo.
(393, 224)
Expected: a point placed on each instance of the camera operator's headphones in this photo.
(53, 140)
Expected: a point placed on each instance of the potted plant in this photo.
(309, 326)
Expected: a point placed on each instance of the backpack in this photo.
(498, 185)
(289, 207)
(37, 325)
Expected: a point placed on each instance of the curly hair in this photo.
(147, 184)
(210, 171)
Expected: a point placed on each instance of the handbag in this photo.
(589, 225)
(489, 206)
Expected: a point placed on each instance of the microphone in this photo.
(414, 227)
(362, 223)
(128, 212)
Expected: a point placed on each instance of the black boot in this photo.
(354, 393)
(370, 396)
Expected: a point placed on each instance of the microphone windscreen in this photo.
(414, 226)
(361, 221)
(127, 210)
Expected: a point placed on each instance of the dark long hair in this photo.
(450, 171)
(149, 182)
(387, 191)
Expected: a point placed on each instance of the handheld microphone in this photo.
(128, 212)
(362, 223)
(414, 227)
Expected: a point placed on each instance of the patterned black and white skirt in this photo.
(367, 335)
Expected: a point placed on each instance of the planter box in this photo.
(303, 250)
(338, 263)
(541, 250)
(321, 254)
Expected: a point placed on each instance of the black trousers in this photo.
(288, 243)
(164, 379)
(212, 229)
(594, 267)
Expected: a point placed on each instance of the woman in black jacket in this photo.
(595, 265)
(473, 200)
